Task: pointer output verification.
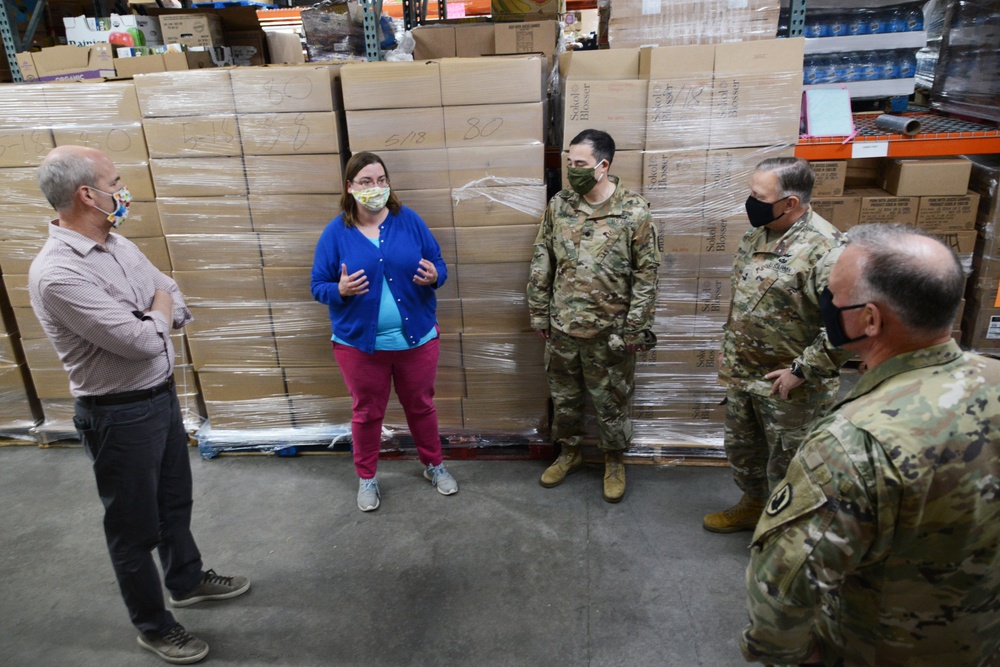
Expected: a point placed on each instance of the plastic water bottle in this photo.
(888, 64)
(870, 70)
(838, 25)
(877, 23)
(826, 68)
(839, 68)
(907, 64)
(810, 73)
(859, 24)
(897, 21)
(852, 67)
(914, 20)
(816, 27)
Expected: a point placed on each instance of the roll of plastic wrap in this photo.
(898, 124)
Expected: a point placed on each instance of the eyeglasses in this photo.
(369, 183)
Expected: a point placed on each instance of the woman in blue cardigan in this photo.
(377, 267)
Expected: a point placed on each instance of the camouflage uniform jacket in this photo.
(882, 545)
(774, 317)
(594, 272)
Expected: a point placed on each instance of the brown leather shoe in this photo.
(741, 516)
(568, 462)
(614, 477)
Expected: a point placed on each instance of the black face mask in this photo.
(761, 213)
(831, 319)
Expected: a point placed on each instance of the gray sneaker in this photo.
(178, 647)
(442, 479)
(368, 494)
(213, 587)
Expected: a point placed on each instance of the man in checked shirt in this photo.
(109, 313)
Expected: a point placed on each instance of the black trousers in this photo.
(140, 455)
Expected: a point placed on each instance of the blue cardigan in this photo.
(403, 241)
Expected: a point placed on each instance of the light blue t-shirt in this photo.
(389, 332)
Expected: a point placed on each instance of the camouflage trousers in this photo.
(762, 435)
(581, 367)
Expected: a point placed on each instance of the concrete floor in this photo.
(504, 573)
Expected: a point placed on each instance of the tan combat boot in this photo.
(570, 460)
(741, 516)
(614, 477)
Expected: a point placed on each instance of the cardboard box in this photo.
(293, 213)
(479, 81)
(504, 352)
(675, 180)
(390, 130)
(21, 187)
(221, 286)
(513, 413)
(122, 143)
(727, 177)
(413, 84)
(507, 243)
(955, 213)
(301, 318)
(228, 319)
(316, 381)
(537, 37)
(927, 177)
(204, 215)
(830, 177)
(119, 30)
(290, 133)
(434, 41)
(250, 47)
(196, 252)
(599, 65)
(674, 22)
(17, 291)
(202, 92)
(841, 212)
(51, 383)
(24, 147)
(446, 239)
(67, 63)
(495, 315)
(285, 89)
(307, 352)
(155, 250)
(494, 125)
(487, 207)
(475, 39)
(879, 206)
(981, 328)
(417, 169)
(169, 61)
(475, 167)
(617, 107)
(106, 103)
(757, 93)
(245, 385)
(192, 136)
(191, 29)
(16, 255)
(198, 177)
(143, 221)
(680, 95)
(519, 10)
(27, 324)
(290, 250)
(294, 174)
(494, 281)
(138, 179)
(286, 284)
(433, 206)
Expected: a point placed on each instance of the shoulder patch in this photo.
(780, 499)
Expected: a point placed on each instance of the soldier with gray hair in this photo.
(780, 373)
(882, 544)
(592, 296)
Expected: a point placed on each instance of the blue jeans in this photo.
(143, 472)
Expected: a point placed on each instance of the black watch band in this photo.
(797, 371)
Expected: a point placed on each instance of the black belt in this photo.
(128, 396)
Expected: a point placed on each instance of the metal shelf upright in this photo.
(12, 43)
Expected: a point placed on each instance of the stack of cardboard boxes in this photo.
(248, 171)
(463, 140)
(696, 120)
(981, 323)
(634, 23)
(103, 116)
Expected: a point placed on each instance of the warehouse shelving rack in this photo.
(939, 136)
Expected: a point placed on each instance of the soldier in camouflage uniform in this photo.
(882, 544)
(780, 373)
(591, 295)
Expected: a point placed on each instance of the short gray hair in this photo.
(61, 175)
(926, 299)
(795, 176)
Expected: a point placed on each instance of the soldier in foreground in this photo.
(591, 296)
(882, 544)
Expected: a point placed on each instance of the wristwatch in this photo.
(797, 370)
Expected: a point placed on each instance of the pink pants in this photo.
(369, 378)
